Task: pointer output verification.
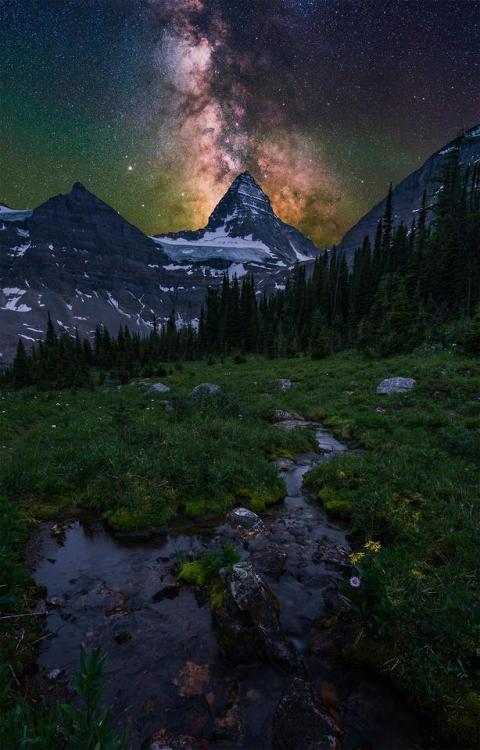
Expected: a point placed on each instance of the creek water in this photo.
(165, 669)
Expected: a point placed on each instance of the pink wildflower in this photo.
(355, 582)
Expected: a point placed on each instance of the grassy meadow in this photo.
(414, 489)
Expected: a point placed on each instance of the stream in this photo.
(165, 669)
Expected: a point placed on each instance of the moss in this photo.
(335, 504)
(195, 573)
(143, 516)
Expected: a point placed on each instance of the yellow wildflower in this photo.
(373, 546)
(355, 557)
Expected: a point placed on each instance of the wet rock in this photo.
(299, 721)
(321, 644)
(57, 601)
(158, 388)
(246, 520)
(168, 590)
(332, 554)
(287, 420)
(284, 383)
(248, 624)
(54, 674)
(230, 726)
(396, 385)
(166, 740)
(205, 389)
(192, 679)
(270, 560)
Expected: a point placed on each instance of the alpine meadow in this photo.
(240, 461)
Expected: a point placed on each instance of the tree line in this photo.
(411, 282)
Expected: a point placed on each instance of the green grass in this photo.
(415, 488)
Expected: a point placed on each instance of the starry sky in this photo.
(156, 105)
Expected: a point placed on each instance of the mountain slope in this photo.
(407, 195)
(78, 258)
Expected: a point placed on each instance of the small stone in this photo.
(396, 385)
(284, 383)
(192, 678)
(157, 388)
(54, 674)
(57, 601)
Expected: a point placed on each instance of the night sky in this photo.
(156, 105)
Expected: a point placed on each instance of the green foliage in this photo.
(80, 725)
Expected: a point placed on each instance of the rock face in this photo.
(396, 385)
(78, 258)
(407, 195)
(248, 625)
(299, 722)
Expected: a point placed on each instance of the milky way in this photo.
(156, 105)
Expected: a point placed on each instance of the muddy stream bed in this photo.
(165, 670)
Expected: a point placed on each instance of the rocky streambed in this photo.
(264, 672)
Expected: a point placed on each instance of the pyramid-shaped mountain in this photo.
(242, 228)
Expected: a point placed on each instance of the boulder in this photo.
(205, 389)
(157, 388)
(396, 385)
(246, 520)
(248, 624)
(299, 721)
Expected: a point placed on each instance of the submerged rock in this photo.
(205, 389)
(157, 388)
(192, 679)
(248, 624)
(164, 739)
(270, 560)
(396, 385)
(299, 721)
(246, 520)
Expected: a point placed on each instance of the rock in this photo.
(169, 589)
(57, 601)
(230, 726)
(205, 389)
(280, 415)
(396, 385)
(157, 388)
(248, 624)
(299, 722)
(192, 678)
(54, 674)
(270, 560)
(164, 739)
(284, 383)
(246, 520)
